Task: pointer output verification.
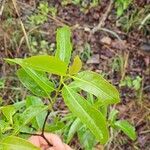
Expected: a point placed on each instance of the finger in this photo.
(52, 138)
(44, 147)
(67, 147)
(50, 148)
(55, 141)
(34, 140)
(38, 141)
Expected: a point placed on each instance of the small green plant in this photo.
(2, 83)
(53, 11)
(121, 6)
(132, 83)
(86, 53)
(118, 64)
(83, 4)
(41, 16)
(137, 18)
(41, 46)
(86, 94)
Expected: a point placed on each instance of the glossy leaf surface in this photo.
(88, 115)
(35, 101)
(113, 115)
(86, 138)
(64, 46)
(4, 127)
(16, 143)
(94, 83)
(35, 81)
(8, 112)
(127, 128)
(76, 66)
(75, 126)
(27, 116)
(43, 63)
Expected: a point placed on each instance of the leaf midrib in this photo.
(40, 81)
(92, 121)
(127, 130)
(63, 45)
(93, 85)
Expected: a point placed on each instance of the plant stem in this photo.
(48, 112)
(32, 134)
(43, 128)
(57, 92)
(49, 144)
(50, 108)
(40, 135)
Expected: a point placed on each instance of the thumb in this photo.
(67, 147)
(51, 148)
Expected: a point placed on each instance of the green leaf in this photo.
(19, 105)
(86, 138)
(113, 115)
(104, 109)
(119, 11)
(14, 61)
(88, 115)
(137, 83)
(95, 84)
(4, 126)
(43, 63)
(98, 103)
(16, 143)
(27, 116)
(64, 46)
(90, 98)
(55, 126)
(2, 83)
(35, 81)
(76, 66)
(32, 112)
(73, 129)
(35, 101)
(8, 112)
(127, 128)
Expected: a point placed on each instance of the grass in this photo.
(134, 19)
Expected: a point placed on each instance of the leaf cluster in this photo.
(86, 94)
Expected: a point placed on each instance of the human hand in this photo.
(56, 142)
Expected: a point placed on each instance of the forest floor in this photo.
(117, 47)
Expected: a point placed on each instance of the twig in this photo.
(125, 66)
(48, 112)
(112, 32)
(100, 27)
(103, 19)
(46, 117)
(22, 25)
(32, 134)
(49, 144)
(144, 20)
(22, 39)
(141, 90)
(43, 128)
(41, 135)
(2, 7)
